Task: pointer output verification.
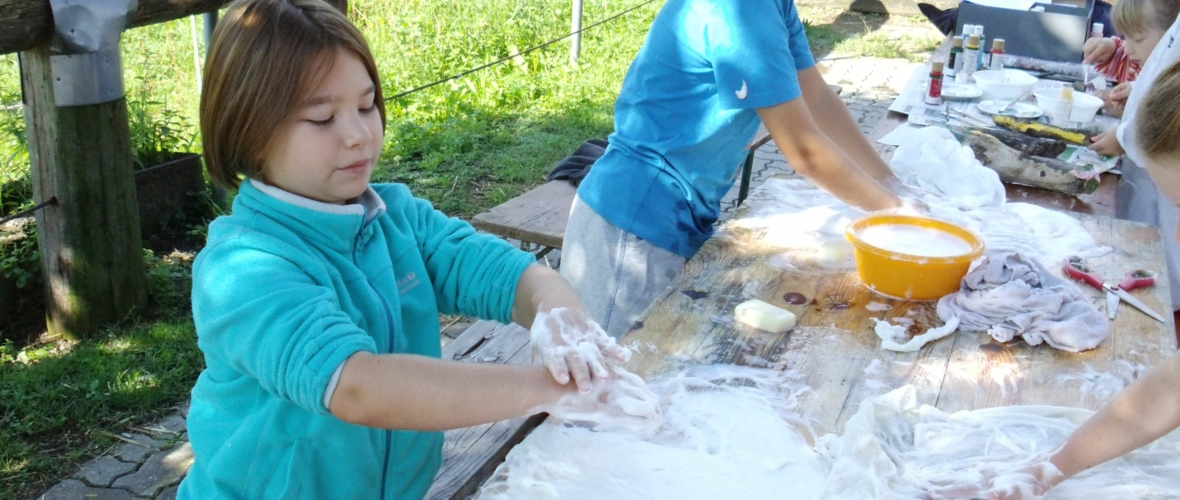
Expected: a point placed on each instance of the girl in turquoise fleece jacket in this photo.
(316, 302)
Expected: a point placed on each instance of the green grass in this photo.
(916, 48)
(58, 402)
(466, 145)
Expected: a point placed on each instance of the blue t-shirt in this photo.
(686, 112)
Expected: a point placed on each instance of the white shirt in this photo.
(1166, 53)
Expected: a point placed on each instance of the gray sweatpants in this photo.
(1138, 199)
(615, 273)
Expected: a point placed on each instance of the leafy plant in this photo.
(15, 186)
(169, 280)
(157, 132)
(19, 258)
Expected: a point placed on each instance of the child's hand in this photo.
(1098, 50)
(621, 401)
(1113, 107)
(572, 346)
(1107, 143)
(1118, 97)
(1025, 481)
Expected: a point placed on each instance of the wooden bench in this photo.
(540, 215)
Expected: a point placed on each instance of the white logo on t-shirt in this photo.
(741, 94)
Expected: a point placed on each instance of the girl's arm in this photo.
(1140, 414)
(401, 391)
(1143, 412)
(539, 287)
(563, 339)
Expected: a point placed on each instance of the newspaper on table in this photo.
(911, 103)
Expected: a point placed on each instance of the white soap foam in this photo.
(1104, 384)
(736, 432)
(914, 240)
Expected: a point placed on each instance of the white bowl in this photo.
(1004, 83)
(1085, 106)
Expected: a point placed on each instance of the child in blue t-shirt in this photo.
(316, 301)
(708, 73)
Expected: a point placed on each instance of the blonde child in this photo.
(1141, 23)
(316, 301)
(1137, 197)
(1150, 407)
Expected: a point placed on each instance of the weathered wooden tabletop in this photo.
(834, 347)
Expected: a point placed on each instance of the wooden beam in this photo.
(90, 242)
(25, 24)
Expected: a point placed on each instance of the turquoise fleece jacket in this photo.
(285, 291)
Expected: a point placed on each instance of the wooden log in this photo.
(1018, 166)
(25, 24)
(91, 248)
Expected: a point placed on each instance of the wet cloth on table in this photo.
(1007, 295)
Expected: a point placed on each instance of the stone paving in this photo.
(151, 461)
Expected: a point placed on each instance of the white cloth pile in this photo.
(1008, 296)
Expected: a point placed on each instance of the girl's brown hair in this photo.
(1136, 17)
(1157, 124)
(264, 58)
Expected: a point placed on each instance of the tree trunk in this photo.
(91, 249)
(995, 150)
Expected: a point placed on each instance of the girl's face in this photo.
(1166, 173)
(1139, 46)
(328, 149)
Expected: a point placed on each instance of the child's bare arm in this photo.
(400, 391)
(815, 156)
(540, 286)
(1143, 412)
(835, 121)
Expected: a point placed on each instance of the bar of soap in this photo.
(763, 316)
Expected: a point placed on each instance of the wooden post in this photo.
(91, 248)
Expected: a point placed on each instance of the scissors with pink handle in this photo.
(1076, 268)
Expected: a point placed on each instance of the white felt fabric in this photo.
(736, 432)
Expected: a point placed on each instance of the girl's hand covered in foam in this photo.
(621, 401)
(1023, 481)
(572, 346)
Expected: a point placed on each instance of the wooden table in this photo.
(833, 343)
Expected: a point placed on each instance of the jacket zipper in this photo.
(389, 324)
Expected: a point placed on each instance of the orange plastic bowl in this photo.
(906, 276)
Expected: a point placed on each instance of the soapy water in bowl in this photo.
(914, 240)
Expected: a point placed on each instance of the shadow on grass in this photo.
(56, 400)
(847, 25)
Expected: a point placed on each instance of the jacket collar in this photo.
(333, 226)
